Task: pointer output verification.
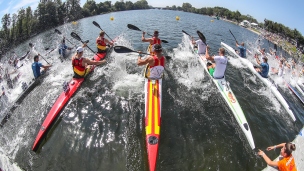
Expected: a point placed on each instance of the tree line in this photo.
(27, 22)
(236, 16)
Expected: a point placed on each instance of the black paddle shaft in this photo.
(123, 49)
(132, 27)
(233, 35)
(57, 31)
(97, 25)
(75, 36)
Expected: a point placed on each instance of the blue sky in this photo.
(288, 12)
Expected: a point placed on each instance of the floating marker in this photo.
(111, 18)
(177, 17)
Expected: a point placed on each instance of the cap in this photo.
(79, 49)
(157, 47)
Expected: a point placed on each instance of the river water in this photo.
(102, 126)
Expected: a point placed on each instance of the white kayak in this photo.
(266, 81)
(230, 99)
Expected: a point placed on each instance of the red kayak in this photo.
(62, 101)
(153, 103)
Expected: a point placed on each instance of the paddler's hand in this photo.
(143, 33)
(261, 153)
(84, 45)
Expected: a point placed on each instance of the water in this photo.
(102, 126)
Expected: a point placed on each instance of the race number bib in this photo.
(156, 72)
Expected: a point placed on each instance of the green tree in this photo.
(187, 7)
(120, 6)
(73, 10)
(129, 5)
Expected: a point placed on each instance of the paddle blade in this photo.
(186, 33)
(164, 41)
(57, 31)
(75, 36)
(168, 57)
(122, 49)
(96, 24)
(132, 27)
(201, 36)
(233, 35)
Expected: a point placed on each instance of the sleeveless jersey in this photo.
(77, 67)
(101, 44)
(156, 71)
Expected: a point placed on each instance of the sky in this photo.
(286, 12)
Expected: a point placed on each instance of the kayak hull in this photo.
(62, 100)
(153, 103)
(266, 81)
(231, 101)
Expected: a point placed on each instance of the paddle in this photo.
(57, 31)
(97, 25)
(75, 36)
(186, 33)
(132, 27)
(201, 36)
(123, 49)
(232, 35)
(44, 59)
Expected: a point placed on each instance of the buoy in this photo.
(111, 18)
(74, 22)
(177, 17)
(211, 20)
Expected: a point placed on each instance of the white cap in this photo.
(79, 49)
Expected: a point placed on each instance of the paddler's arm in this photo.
(107, 41)
(208, 57)
(92, 62)
(267, 159)
(143, 39)
(149, 60)
(257, 59)
(276, 146)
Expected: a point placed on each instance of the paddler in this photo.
(36, 67)
(242, 49)
(153, 40)
(201, 46)
(156, 63)
(102, 42)
(82, 65)
(263, 71)
(63, 47)
(220, 63)
(285, 163)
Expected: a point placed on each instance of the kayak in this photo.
(293, 89)
(69, 90)
(230, 99)
(25, 92)
(266, 81)
(153, 102)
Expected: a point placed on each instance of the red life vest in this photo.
(101, 44)
(158, 62)
(77, 66)
(155, 41)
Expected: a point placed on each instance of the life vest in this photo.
(158, 62)
(155, 41)
(101, 44)
(77, 67)
(157, 69)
